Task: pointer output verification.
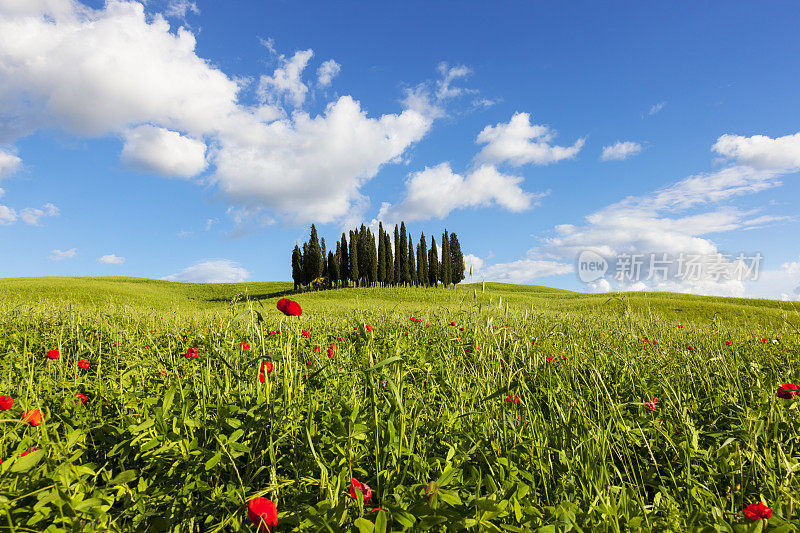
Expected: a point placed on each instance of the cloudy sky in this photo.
(197, 140)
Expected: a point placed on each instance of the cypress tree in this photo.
(445, 265)
(405, 275)
(387, 246)
(338, 257)
(412, 271)
(433, 264)
(373, 259)
(397, 269)
(363, 253)
(381, 255)
(422, 261)
(344, 261)
(313, 262)
(354, 258)
(306, 280)
(333, 269)
(297, 267)
(324, 254)
(457, 260)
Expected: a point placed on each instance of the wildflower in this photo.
(306, 333)
(652, 405)
(32, 417)
(29, 450)
(564, 357)
(383, 384)
(757, 511)
(191, 353)
(355, 328)
(787, 390)
(680, 326)
(244, 345)
(452, 323)
(611, 352)
(147, 346)
(363, 488)
(83, 363)
(53, 354)
(765, 341)
(405, 333)
(728, 343)
(689, 348)
(81, 397)
(317, 349)
(368, 327)
(6, 403)
(308, 363)
(263, 513)
(330, 353)
(550, 358)
(289, 307)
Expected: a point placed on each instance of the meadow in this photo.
(498, 408)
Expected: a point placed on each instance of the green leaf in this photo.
(123, 477)
(166, 405)
(23, 464)
(385, 362)
(211, 463)
(89, 503)
(364, 525)
(380, 522)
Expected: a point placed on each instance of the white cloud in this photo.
(655, 108)
(112, 70)
(7, 215)
(449, 75)
(326, 72)
(620, 150)
(179, 8)
(153, 149)
(31, 215)
(518, 142)
(760, 151)
(520, 271)
(59, 255)
(111, 259)
(286, 81)
(435, 192)
(9, 163)
(211, 271)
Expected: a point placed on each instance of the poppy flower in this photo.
(289, 307)
(263, 513)
(460, 329)
(306, 333)
(765, 341)
(191, 353)
(757, 511)
(689, 348)
(355, 328)
(83, 363)
(366, 492)
(680, 326)
(550, 358)
(728, 343)
(147, 346)
(405, 333)
(368, 327)
(308, 363)
(81, 397)
(53, 354)
(652, 405)
(244, 345)
(317, 349)
(340, 339)
(467, 350)
(787, 390)
(330, 353)
(32, 417)
(6, 402)
(452, 323)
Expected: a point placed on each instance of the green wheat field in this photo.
(539, 410)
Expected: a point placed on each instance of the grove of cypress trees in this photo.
(344, 262)
(433, 264)
(387, 246)
(405, 275)
(412, 271)
(354, 258)
(398, 276)
(333, 270)
(297, 267)
(457, 260)
(445, 266)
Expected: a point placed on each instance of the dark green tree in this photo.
(456, 260)
(363, 253)
(405, 275)
(333, 269)
(372, 274)
(381, 255)
(433, 264)
(398, 276)
(306, 281)
(312, 261)
(422, 261)
(344, 261)
(412, 270)
(324, 254)
(445, 266)
(387, 246)
(354, 274)
(297, 267)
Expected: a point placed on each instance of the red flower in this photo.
(267, 367)
(366, 492)
(550, 358)
(244, 345)
(452, 323)
(32, 417)
(317, 349)
(728, 343)
(757, 511)
(787, 390)
(308, 363)
(263, 513)
(368, 327)
(6, 402)
(355, 328)
(330, 353)
(680, 326)
(405, 333)
(306, 333)
(83, 363)
(765, 341)
(652, 405)
(191, 353)
(460, 329)
(689, 348)
(29, 450)
(81, 397)
(53, 354)
(289, 307)
(467, 350)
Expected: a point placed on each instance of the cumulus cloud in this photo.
(435, 192)
(7, 215)
(760, 151)
(211, 271)
(326, 72)
(286, 81)
(620, 150)
(519, 142)
(153, 149)
(111, 259)
(444, 88)
(9, 163)
(59, 255)
(179, 8)
(115, 70)
(31, 215)
(522, 270)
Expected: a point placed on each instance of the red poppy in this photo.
(317, 349)
(53, 354)
(452, 323)
(266, 367)
(728, 343)
(306, 333)
(355, 328)
(330, 352)
(147, 346)
(32, 417)
(244, 345)
(405, 333)
(83, 363)
(81, 397)
(289, 307)
(689, 348)
(366, 492)
(191, 353)
(368, 327)
(263, 513)
(680, 326)
(757, 511)
(340, 339)
(460, 329)
(765, 341)
(6, 402)
(652, 405)
(467, 350)
(308, 363)
(787, 390)
(550, 358)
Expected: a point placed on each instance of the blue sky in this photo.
(198, 140)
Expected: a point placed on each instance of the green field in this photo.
(424, 413)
